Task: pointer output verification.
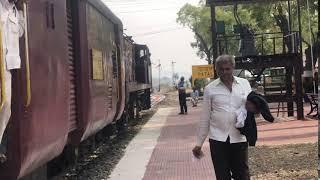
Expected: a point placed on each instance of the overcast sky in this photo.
(153, 22)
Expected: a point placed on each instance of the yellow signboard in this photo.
(202, 71)
(97, 65)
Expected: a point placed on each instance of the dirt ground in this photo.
(172, 98)
(292, 162)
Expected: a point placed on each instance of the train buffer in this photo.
(162, 149)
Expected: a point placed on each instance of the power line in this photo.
(158, 32)
(154, 28)
(143, 4)
(133, 4)
(169, 24)
(149, 10)
(142, 1)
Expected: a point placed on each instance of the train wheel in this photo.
(122, 123)
(110, 130)
(137, 109)
(68, 158)
(71, 155)
(131, 109)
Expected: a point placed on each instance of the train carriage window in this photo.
(142, 53)
(50, 15)
(97, 64)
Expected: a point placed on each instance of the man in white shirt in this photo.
(222, 97)
(12, 28)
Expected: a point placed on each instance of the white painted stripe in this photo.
(133, 164)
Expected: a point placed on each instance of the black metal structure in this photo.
(232, 2)
(289, 58)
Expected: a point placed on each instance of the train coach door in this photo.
(72, 64)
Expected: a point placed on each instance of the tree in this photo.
(198, 83)
(274, 18)
(279, 14)
(198, 18)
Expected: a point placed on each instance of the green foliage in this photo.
(198, 83)
(198, 19)
(260, 17)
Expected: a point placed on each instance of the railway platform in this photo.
(162, 149)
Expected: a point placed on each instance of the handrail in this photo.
(262, 40)
(256, 37)
(259, 34)
(3, 85)
(26, 40)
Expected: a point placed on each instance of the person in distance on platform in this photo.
(194, 97)
(222, 97)
(182, 96)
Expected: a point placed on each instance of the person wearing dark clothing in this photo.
(182, 96)
(183, 103)
(231, 157)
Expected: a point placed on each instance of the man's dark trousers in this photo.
(183, 102)
(230, 160)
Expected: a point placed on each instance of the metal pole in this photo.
(226, 45)
(262, 46)
(214, 32)
(214, 36)
(290, 26)
(290, 18)
(298, 84)
(318, 18)
(311, 47)
(159, 74)
(299, 71)
(318, 35)
(26, 40)
(173, 82)
(300, 29)
(274, 45)
(289, 97)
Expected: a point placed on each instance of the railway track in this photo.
(97, 158)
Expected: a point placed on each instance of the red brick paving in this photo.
(172, 158)
(289, 132)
